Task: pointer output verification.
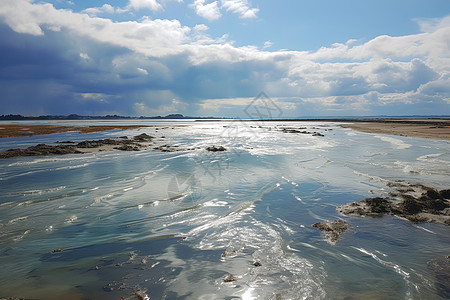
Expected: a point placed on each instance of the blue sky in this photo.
(211, 58)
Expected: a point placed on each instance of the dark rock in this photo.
(430, 206)
(445, 194)
(228, 252)
(293, 130)
(257, 264)
(378, 205)
(99, 143)
(410, 206)
(333, 229)
(127, 148)
(433, 194)
(143, 137)
(437, 205)
(65, 142)
(216, 149)
(417, 219)
(140, 295)
(290, 130)
(229, 278)
(373, 207)
(40, 149)
(165, 148)
(43, 149)
(286, 130)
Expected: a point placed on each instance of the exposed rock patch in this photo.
(301, 131)
(216, 149)
(41, 149)
(143, 138)
(128, 148)
(229, 252)
(172, 148)
(69, 147)
(229, 278)
(332, 230)
(414, 202)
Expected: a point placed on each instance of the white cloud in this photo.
(142, 71)
(174, 106)
(201, 27)
(211, 11)
(144, 4)
(433, 24)
(150, 37)
(240, 7)
(84, 56)
(267, 44)
(106, 8)
(208, 11)
(95, 97)
(201, 37)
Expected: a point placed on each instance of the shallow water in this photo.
(173, 225)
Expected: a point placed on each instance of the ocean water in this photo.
(173, 225)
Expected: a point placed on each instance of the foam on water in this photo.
(396, 143)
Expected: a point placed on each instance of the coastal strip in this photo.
(435, 128)
(137, 143)
(430, 128)
(30, 130)
(426, 128)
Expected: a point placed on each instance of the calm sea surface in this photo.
(172, 225)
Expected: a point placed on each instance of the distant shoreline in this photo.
(431, 128)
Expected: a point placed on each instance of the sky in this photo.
(215, 57)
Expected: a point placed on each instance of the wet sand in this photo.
(30, 130)
(422, 128)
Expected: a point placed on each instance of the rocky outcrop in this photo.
(332, 230)
(41, 149)
(414, 202)
(143, 138)
(229, 278)
(216, 149)
(172, 148)
(69, 147)
(301, 131)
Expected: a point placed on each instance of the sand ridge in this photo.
(31, 130)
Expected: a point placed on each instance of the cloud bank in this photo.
(59, 61)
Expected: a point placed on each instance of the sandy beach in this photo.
(422, 128)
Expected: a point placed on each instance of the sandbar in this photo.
(30, 130)
(422, 128)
